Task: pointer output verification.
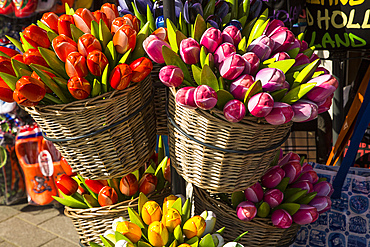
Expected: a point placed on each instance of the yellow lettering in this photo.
(309, 18)
(325, 18)
(344, 2)
(355, 2)
(340, 42)
(350, 20)
(341, 14)
(315, 1)
(365, 23)
(330, 2)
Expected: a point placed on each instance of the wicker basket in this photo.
(261, 232)
(108, 136)
(215, 154)
(92, 222)
(159, 101)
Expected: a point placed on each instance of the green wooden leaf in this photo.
(171, 30)
(135, 218)
(76, 33)
(150, 19)
(141, 17)
(203, 55)
(119, 236)
(10, 80)
(243, 21)
(193, 242)
(209, 78)
(171, 58)
(160, 176)
(221, 231)
(183, 25)
(185, 211)
(179, 37)
(293, 52)
(283, 65)
(51, 36)
(178, 205)
(298, 92)
(306, 74)
(234, 4)
(210, 61)
(24, 72)
(66, 6)
(309, 51)
(46, 69)
(248, 28)
(90, 201)
(106, 242)
(291, 208)
(318, 73)
(2, 54)
(17, 65)
(254, 89)
(16, 43)
(297, 68)
(92, 244)
(161, 150)
(143, 244)
(43, 26)
(207, 241)
(244, 8)
(173, 244)
(142, 200)
(104, 34)
(199, 28)
(96, 88)
(70, 202)
(278, 94)
(150, 170)
(104, 80)
(53, 61)
(269, 61)
(26, 46)
(258, 27)
(236, 198)
(141, 36)
(283, 184)
(242, 46)
(95, 29)
(226, 19)
(111, 54)
(177, 233)
(224, 96)
(240, 236)
(300, 36)
(209, 9)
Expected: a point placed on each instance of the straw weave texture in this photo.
(159, 101)
(261, 232)
(214, 170)
(113, 153)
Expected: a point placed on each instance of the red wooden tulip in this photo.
(129, 185)
(82, 191)
(50, 19)
(96, 62)
(66, 167)
(94, 185)
(100, 15)
(8, 51)
(167, 171)
(31, 88)
(119, 22)
(36, 36)
(107, 196)
(120, 76)
(21, 100)
(6, 94)
(124, 39)
(88, 43)
(76, 65)
(83, 18)
(148, 183)
(67, 185)
(134, 20)
(34, 75)
(110, 11)
(63, 46)
(64, 25)
(6, 66)
(34, 56)
(19, 58)
(141, 68)
(79, 87)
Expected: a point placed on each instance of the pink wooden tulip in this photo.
(261, 104)
(234, 111)
(304, 110)
(281, 113)
(320, 68)
(314, 57)
(254, 193)
(283, 39)
(281, 56)
(281, 219)
(246, 211)
(272, 79)
(262, 47)
(292, 170)
(301, 59)
(306, 167)
(205, 97)
(272, 177)
(239, 87)
(304, 185)
(153, 48)
(232, 67)
(272, 26)
(325, 86)
(63, 46)
(309, 176)
(223, 51)
(321, 203)
(171, 76)
(304, 45)
(189, 51)
(231, 34)
(288, 158)
(211, 39)
(324, 106)
(253, 60)
(273, 197)
(83, 18)
(305, 215)
(185, 97)
(88, 43)
(323, 188)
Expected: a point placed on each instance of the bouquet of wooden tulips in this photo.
(78, 192)
(75, 56)
(239, 67)
(289, 192)
(172, 227)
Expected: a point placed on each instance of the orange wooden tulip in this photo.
(100, 15)
(66, 184)
(83, 18)
(96, 62)
(148, 183)
(63, 46)
(8, 51)
(129, 185)
(79, 87)
(21, 100)
(36, 36)
(120, 76)
(130, 231)
(64, 25)
(6, 66)
(31, 88)
(50, 19)
(161, 33)
(134, 20)
(76, 65)
(124, 39)
(110, 11)
(88, 43)
(34, 56)
(118, 23)
(18, 57)
(107, 196)
(66, 167)
(34, 75)
(141, 68)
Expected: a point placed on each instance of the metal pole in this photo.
(178, 183)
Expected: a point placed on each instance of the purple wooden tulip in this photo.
(191, 10)
(273, 26)
(272, 79)
(281, 56)
(171, 76)
(185, 97)
(304, 110)
(304, 46)
(239, 87)
(314, 57)
(235, 23)
(325, 86)
(296, 44)
(304, 185)
(305, 215)
(281, 219)
(211, 39)
(283, 39)
(281, 113)
(272, 177)
(286, 85)
(256, 7)
(323, 188)
(325, 105)
(189, 51)
(231, 34)
(234, 111)
(232, 67)
(223, 51)
(261, 104)
(262, 47)
(288, 158)
(205, 97)
(321, 203)
(306, 167)
(310, 176)
(141, 6)
(214, 20)
(301, 59)
(273, 197)
(246, 211)
(292, 170)
(253, 60)
(153, 47)
(322, 69)
(221, 9)
(254, 193)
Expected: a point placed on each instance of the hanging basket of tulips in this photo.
(236, 86)
(170, 226)
(84, 79)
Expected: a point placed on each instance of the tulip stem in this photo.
(53, 99)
